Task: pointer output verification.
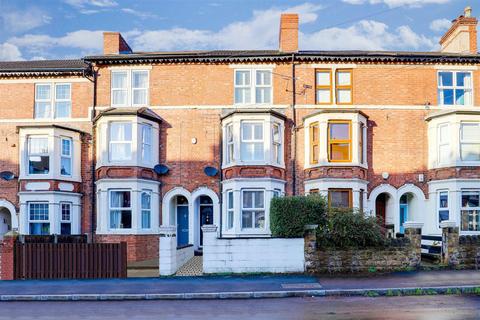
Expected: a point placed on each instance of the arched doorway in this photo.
(8, 217)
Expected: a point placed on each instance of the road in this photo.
(404, 308)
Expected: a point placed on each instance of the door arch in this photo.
(8, 217)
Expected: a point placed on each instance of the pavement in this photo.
(240, 287)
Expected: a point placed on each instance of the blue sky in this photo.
(57, 29)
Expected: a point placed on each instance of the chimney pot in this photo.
(468, 12)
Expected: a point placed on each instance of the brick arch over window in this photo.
(13, 213)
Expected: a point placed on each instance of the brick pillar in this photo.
(310, 239)
(450, 243)
(413, 231)
(210, 251)
(167, 251)
(6, 256)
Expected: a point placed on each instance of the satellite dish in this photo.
(7, 175)
(161, 169)
(210, 171)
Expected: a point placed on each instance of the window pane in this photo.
(120, 131)
(119, 97)
(339, 151)
(119, 80)
(38, 145)
(247, 219)
(259, 199)
(120, 199)
(260, 219)
(248, 199)
(443, 200)
(140, 96)
(139, 79)
(276, 133)
(323, 78)
(65, 228)
(120, 151)
(145, 200)
(66, 211)
(262, 95)
(263, 78)
(40, 229)
(340, 199)
(323, 96)
(242, 78)
(344, 78)
(43, 110)
(464, 79)
(38, 165)
(446, 79)
(62, 92)
(145, 219)
(470, 199)
(247, 131)
(443, 215)
(344, 96)
(339, 131)
(42, 92)
(66, 144)
(447, 96)
(470, 132)
(230, 200)
(38, 211)
(470, 151)
(66, 166)
(470, 220)
(242, 95)
(62, 109)
(258, 131)
(460, 97)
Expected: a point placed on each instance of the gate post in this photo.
(413, 231)
(7, 246)
(450, 243)
(167, 251)
(310, 246)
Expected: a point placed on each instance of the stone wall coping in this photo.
(168, 230)
(311, 226)
(413, 224)
(448, 224)
(209, 228)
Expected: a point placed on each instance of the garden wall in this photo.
(459, 252)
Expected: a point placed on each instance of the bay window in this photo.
(252, 144)
(455, 88)
(253, 209)
(38, 216)
(38, 155)
(253, 86)
(120, 142)
(129, 87)
(53, 100)
(120, 209)
(470, 210)
(339, 141)
(443, 207)
(470, 141)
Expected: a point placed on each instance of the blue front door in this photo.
(182, 225)
(403, 216)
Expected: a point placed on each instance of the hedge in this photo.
(289, 215)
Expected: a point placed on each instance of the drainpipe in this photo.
(93, 188)
(294, 128)
(220, 147)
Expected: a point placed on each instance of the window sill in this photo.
(255, 163)
(336, 164)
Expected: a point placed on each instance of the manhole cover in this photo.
(301, 285)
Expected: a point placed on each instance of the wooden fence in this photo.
(70, 260)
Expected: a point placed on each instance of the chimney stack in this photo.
(113, 43)
(288, 32)
(462, 35)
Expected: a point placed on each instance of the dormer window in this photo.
(129, 87)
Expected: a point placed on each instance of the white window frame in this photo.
(253, 209)
(62, 220)
(468, 209)
(64, 156)
(277, 144)
(439, 207)
(252, 141)
(110, 208)
(145, 210)
(230, 210)
(468, 142)
(454, 87)
(48, 153)
(441, 143)
(253, 86)
(110, 141)
(53, 100)
(30, 221)
(129, 88)
(146, 144)
(230, 144)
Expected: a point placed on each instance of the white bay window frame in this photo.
(233, 150)
(128, 90)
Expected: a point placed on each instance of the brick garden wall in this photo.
(139, 247)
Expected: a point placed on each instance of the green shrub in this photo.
(346, 228)
(289, 215)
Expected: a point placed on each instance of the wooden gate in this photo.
(70, 260)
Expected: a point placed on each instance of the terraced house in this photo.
(117, 145)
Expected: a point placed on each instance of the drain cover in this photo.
(301, 285)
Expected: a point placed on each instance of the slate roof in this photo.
(43, 68)
(123, 111)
